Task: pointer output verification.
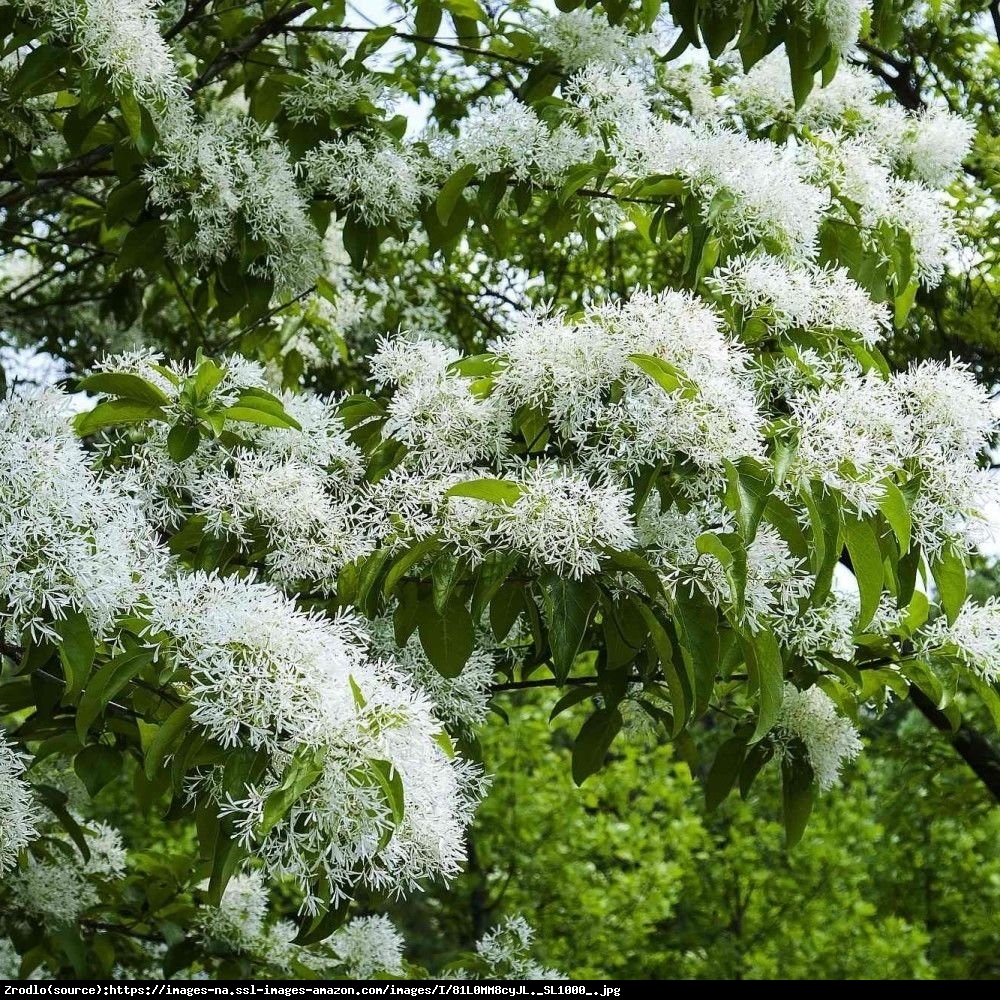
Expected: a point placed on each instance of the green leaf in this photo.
(76, 650)
(747, 491)
(124, 385)
(593, 742)
(950, 578)
(666, 375)
(34, 75)
(113, 413)
(105, 684)
(679, 686)
(766, 671)
(300, 775)
(897, 512)
(142, 247)
(725, 770)
(447, 637)
(798, 792)
(451, 192)
(167, 734)
(183, 441)
(866, 561)
(569, 605)
(413, 555)
(572, 697)
(256, 407)
(498, 491)
(97, 766)
(697, 621)
(388, 779)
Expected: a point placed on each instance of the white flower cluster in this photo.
(18, 813)
(328, 87)
(231, 167)
(504, 953)
(562, 520)
(801, 296)
(568, 370)
(932, 144)
(973, 638)
(296, 488)
(508, 135)
(240, 923)
(60, 887)
(264, 674)
(930, 422)
(68, 541)
(434, 410)
(368, 945)
(829, 739)
(361, 949)
(584, 37)
(382, 180)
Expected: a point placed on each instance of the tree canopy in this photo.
(415, 356)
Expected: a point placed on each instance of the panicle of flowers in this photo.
(569, 370)
(59, 887)
(55, 889)
(612, 103)
(238, 921)
(935, 144)
(108, 856)
(499, 136)
(561, 520)
(214, 170)
(123, 40)
(366, 946)
(311, 533)
(266, 675)
(584, 37)
(973, 638)
(68, 540)
(842, 19)
(951, 410)
(752, 188)
(830, 740)
(851, 435)
(329, 87)
(859, 172)
(802, 296)
(380, 179)
(435, 410)
(827, 627)
(19, 816)
(505, 953)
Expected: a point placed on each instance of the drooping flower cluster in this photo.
(18, 813)
(504, 953)
(210, 171)
(60, 886)
(830, 740)
(265, 675)
(68, 541)
(584, 37)
(802, 296)
(973, 638)
(381, 180)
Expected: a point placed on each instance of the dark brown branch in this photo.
(977, 751)
(272, 26)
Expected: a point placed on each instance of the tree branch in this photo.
(977, 751)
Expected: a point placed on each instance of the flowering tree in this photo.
(432, 353)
